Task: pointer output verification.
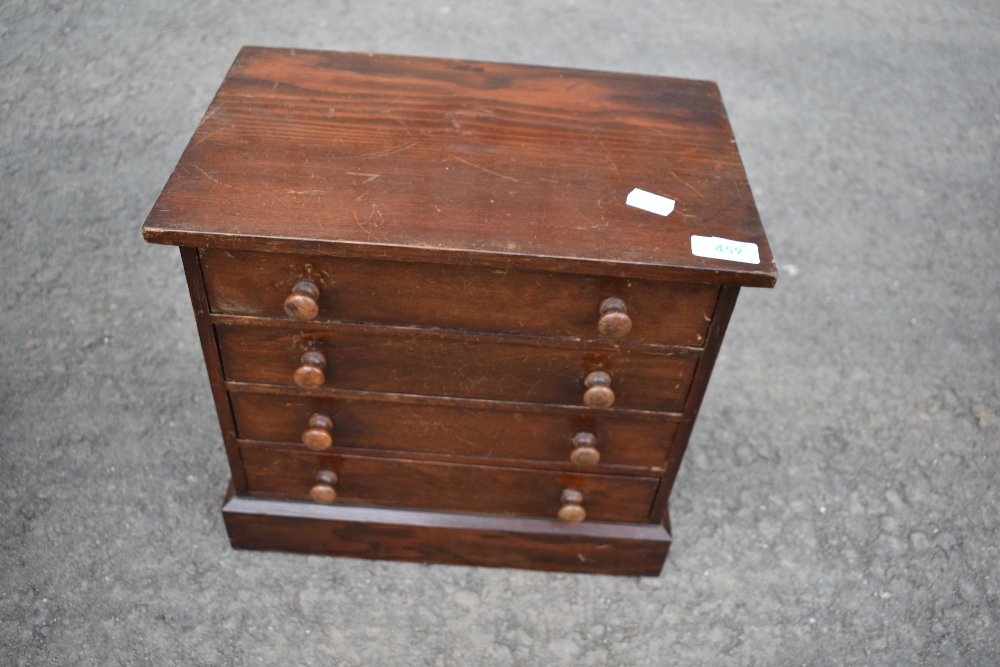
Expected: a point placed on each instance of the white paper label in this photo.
(717, 248)
(647, 201)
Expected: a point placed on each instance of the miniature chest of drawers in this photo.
(436, 328)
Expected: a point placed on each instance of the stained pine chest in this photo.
(459, 312)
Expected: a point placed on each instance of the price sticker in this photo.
(719, 248)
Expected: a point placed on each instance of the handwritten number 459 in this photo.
(728, 249)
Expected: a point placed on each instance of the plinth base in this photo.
(441, 537)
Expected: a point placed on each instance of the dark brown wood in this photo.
(415, 399)
(434, 457)
(585, 450)
(434, 328)
(326, 477)
(720, 320)
(615, 322)
(322, 491)
(595, 345)
(502, 432)
(458, 297)
(572, 496)
(318, 436)
(290, 472)
(213, 364)
(572, 506)
(440, 537)
(383, 359)
(303, 302)
(309, 374)
(598, 393)
(460, 162)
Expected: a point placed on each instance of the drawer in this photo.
(457, 297)
(447, 487)
(428, 363)
(454, 430)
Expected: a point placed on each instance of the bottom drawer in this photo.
(386, 482)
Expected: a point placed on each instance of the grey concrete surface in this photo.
(839, 502)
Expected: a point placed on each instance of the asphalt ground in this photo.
(838, 503)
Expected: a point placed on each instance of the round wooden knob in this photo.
(572, 506)
(303, 302)
(614, 322)
(585, 449)
(317, 437)
(323, 492)
(599, 393)
(310, 374)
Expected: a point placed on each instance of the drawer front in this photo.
(454, 430)
(446, 487)
(457, 297)
(411, 362)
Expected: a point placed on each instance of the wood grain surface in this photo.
(462, 162)
(415, 362)
(426, 270)
(457, 297)
(438, 537)
(720, 322)
(455, 430)
(290, 472)
(213, 364)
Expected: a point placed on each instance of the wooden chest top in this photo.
(460, 162)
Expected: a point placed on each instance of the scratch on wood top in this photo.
(371, 177)
(693, 189)
(389, 151)
(212, 178)
(488, 171)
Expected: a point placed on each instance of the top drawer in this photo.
(459, 297)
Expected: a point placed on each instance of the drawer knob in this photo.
(323, 491)
(318, 437)
(585, 449)
(310, 374)
(303, 302)
(572, 506)
(598, 393)
(614, 322)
